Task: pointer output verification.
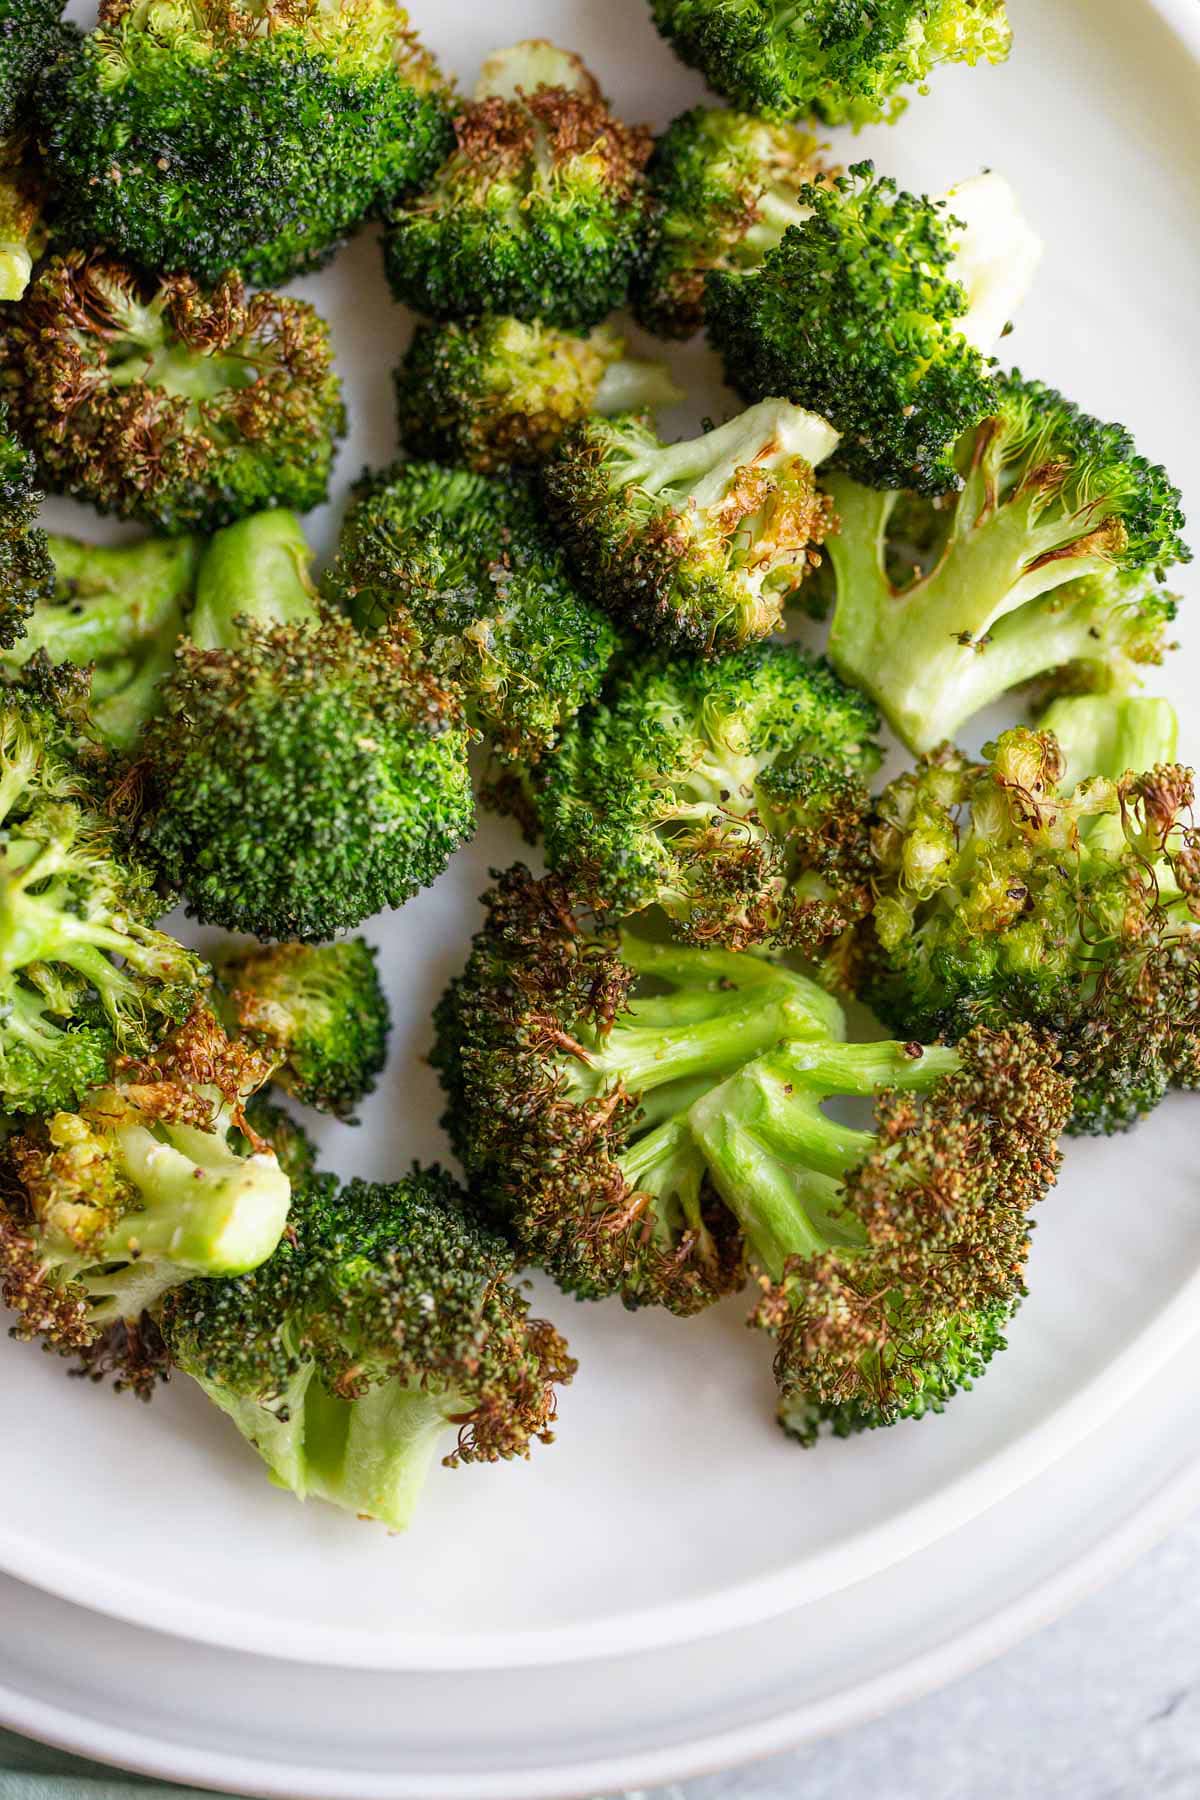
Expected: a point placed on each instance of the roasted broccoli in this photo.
(730, 793)
(842, 63)
(137, 1190)
(496, 392)
(207, 135)
(1003, 893)
(299, 777)
(385, 1321)
(117, 611)
(725, 187)
(569, 1057)
(26, 571)
(699, 544)
(539, 209)
(264, 1121)
(31, 34)
(83, 972)
(316, 1010)
(888, 1261)
(165, 403)
(1045, 563)
(467, 562)
(878, 312)
(22, 233)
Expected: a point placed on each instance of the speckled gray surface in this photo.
(1103, 1705)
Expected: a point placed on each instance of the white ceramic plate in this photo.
(670, 1508)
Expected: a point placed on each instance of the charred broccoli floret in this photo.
(569, 1057)
(465, 560)
(499, 392)
(26, 571)
(31, 35)
(1003, 893)
(118, 611)
(165, 403)
(137, 1190)
(725, 187)
(1046, 560)
(385, 1321)
(699, 544)
(888, 1261)
(730, 793)
(209, 135)
(300, 777)
(878, 311)
(539, 209)
(316, 1010)
(83, 972)
(843, 63)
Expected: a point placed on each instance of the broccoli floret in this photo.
(730, 793)
(317, 1010)
(877, 312)
(264, 1121)
(539, 209)
(843, 63)
(465, 560)
(26, 571)
(31, 35)
(134, 1192)
(725, 187)
(698, 544)
(23, 235)
(569, 1056)
(201, 136)
(83, 972)
(164, 403)
(300, 776)
(1046, 559)
(1003, 893)
(385, 1321)
(888, 1261)
(117, 611)
(500, 392)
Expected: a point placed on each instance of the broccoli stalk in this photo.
(384, 1322)
(119, 611)
(889, 1260)
(569, 1058)
(135, 1192)
(1045, 559)
(698, 544)
(499, 392)
(159, 401)
(300, 777)
(22, 235)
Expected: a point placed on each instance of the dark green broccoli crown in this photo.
(26, 572)
(567, 1085)
(376, 1284)
(163, 403)
(465, 561)
(495, 393)
(857, 316)
(725, 186)
(83, 972)
(538, 211)
(699, 544)
(318, 1010)
(305, 781)
(1001, 896)
(836, 59)
(731, 793)
(206, 137)
(1073, 471)
(885, 1257)
(31, 33)
(266, 1122)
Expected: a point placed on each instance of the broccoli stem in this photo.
(700, 469)
(108, 600)
(1109, 735)
(775, 1158)
(777, 210)
(995, 258)
(631, 385)
(372, 1455)
(933, 653)
(255, 570)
